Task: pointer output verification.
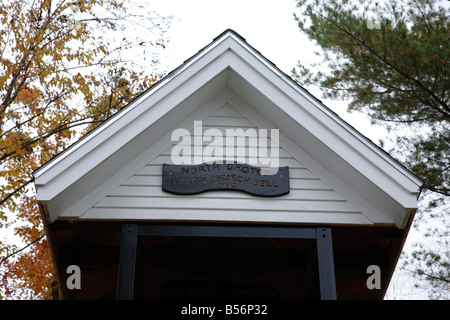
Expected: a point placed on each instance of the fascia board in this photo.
(280, 80)
(373, 198)
(341, 143)
(77, 161)
(325, 125)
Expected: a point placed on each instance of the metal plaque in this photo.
(194, 179)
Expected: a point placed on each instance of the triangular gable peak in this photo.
(337, 176)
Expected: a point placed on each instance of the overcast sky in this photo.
(269, 26)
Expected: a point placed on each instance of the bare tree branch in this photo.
(16, 252)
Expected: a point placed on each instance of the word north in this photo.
(213, 146)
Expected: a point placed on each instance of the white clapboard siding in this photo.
(309, 199)
(157, 192)
(264, 204)
(291, 162)
(223, 124)
(218, 122)
(227, 111)
(249, 215)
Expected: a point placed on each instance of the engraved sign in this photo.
(194, 179)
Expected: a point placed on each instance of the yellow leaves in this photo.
(54, 85)
(79, 79)
(33, 269)
(17, 142)
(28, 96)
(102, 49)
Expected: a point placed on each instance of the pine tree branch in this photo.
(427, 275)
(445, 112)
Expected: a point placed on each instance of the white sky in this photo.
(267, 25)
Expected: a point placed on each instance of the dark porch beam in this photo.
(127, 262)
(327, 281)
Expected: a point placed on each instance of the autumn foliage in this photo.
(64, 69)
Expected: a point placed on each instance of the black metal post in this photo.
(127, 262)
(327, 281)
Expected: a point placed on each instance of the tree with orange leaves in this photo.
(65, 67)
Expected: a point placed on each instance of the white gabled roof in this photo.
(230, 67)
